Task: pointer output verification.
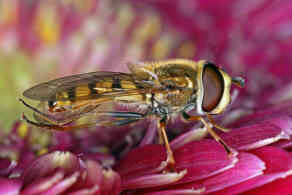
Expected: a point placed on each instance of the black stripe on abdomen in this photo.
(116, 83)
(72, 94)
(91, 87)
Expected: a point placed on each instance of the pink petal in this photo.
(253, 183)
(281, 94)
(193, 134)
(285, 144)
(10, 186)
(6, 167)
(255, 117)
(63, 185)
(111, 183)
(285, 107)
(62, 141)
(47, 163)
(25, 160)
(150, 133)
(280, 186)
(142, 161)
(105, 159)
(94, 173)
(283, 121)
(252, 136)
(202, 159)
(174, 192)
(247, 167)
(270, 155)
(85, 191)
(91, 176)
(152, 180)
(43, 184)
(276, 159)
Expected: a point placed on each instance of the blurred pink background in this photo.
(42, 40)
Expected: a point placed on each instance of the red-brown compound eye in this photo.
(213, 85)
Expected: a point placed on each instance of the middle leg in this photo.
(161, 128)
(209, 129)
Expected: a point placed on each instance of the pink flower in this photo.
(63, 173)
(203, 167)
(247, 37)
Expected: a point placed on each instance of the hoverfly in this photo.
(160, 89)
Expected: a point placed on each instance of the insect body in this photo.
(162, 89)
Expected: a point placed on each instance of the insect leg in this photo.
(123, 114)
(221, 128)
(161, 126)
(209, 129)
(160, 138)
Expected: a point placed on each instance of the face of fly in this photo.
(213, 95)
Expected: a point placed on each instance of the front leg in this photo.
(216, 125)
(209, 129)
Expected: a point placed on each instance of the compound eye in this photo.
(213, 84)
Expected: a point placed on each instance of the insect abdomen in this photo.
(90, 91)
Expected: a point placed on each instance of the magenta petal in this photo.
(150, 133)
(105, 159)
(91, 176)
(10, 186)
(43, 184)
(252, 136)
(270, 155)
(47, 163)
(251, 184)
(152, 180)
(111, 183)
(6, 167)
(285, 107)
(202, 159)
(25, 160)
(286, 144)
(94, 173)
(193, 134)
(247, 167)
(280, 186)
(255, 117)
(63, 185)
(276, 159)
(142, 161)
(281, 94)
(283, 121)
(85, 191)
(174, 192)
(63, 141)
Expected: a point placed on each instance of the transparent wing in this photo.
(90, 94)
(92, 85)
